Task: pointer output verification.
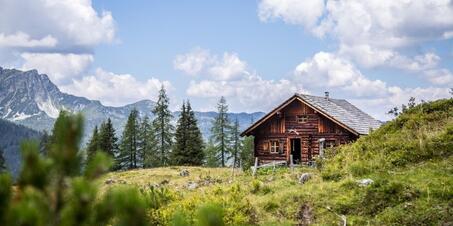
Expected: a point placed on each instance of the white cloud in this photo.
(202, 62)
(193, 62)
(61, 68)
(326, 70)
(306, 13)
(71, 22)
(21, 39)
(250, 93)
(440, 76)
(115, 89)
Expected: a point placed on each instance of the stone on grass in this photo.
(184, 173)
(304, 178)
(365, 182)
(109, 181)
(192, 185)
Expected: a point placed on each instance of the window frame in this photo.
(301, 119)
(272, 146)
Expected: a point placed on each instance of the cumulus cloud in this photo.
(115, 89)
(21, 39)
(251, 92)
(61, 68)
(72, 22)
(306, 13)
(201, 61)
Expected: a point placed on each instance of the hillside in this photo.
(10, 137)
(408, 161)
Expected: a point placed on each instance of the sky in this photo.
(257, 53)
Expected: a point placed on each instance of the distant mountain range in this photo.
(32, 100)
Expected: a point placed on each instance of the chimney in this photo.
(326, 95)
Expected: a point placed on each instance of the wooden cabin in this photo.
(303, 126)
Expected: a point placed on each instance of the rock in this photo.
(184, 173)
(109, 181)
(365, 182)
(304, 178)
(305, 215)
(192, 185)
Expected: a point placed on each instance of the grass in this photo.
(409, 159)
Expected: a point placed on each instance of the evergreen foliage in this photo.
(188, 148)
(128, 157)
(93, 145)
(108, 142)
(246, 152)
(147, 144)
(236, 144)
(2, 162)
(221, 132)
(163, 129)
(54, 191)
(211, 155)
(44, 143)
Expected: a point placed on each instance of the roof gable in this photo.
(339, 111)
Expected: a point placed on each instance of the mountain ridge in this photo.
(31, 99)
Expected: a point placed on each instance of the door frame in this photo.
(289, 147)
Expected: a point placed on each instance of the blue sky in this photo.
(376, 54)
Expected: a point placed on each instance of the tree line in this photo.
(156, 142)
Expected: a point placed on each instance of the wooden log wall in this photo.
(285, 125)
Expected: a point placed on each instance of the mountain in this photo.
(11, 135)
(31, 99)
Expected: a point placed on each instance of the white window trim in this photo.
(274, 149)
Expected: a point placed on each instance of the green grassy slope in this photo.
(409, 159)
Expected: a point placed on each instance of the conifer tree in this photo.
(148, 144)
(246, 152)
(188, 148)
(195, 142)
(2, 162)
(221, 131)
(128, 155)
(44, 143)
(108, 142)
(178, 154)
(211, 155)
(236, 143)
(93, 144)
(163, 129)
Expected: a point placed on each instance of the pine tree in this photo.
(163, 129)
(128, 147)
(178, 154)
(2, 162)
(246, 152)
(188, 149)
(236, 143)
(147, 144)
(93, 144)
(108, 142)
(211, 155)
(194, 139)
(220, 132)
(44, 143)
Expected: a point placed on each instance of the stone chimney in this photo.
(326, 95)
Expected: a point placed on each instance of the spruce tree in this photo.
(93, 144)
(236, 143)
(211, 155)
(108, 142)
(2, 162)
(220, 132)
(128, 155)
(246, 152)
(163, 129)
(44, 143)
(178, 154)
(188, 149)
(194, 139)
(147, 144)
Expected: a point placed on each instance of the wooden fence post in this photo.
(255, 167)
(291, 163)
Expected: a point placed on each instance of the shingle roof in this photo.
(344, 112)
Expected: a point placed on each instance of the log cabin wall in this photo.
(297, 120)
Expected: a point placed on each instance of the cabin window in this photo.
(275, 146)
(302, 118)
(329, 144)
